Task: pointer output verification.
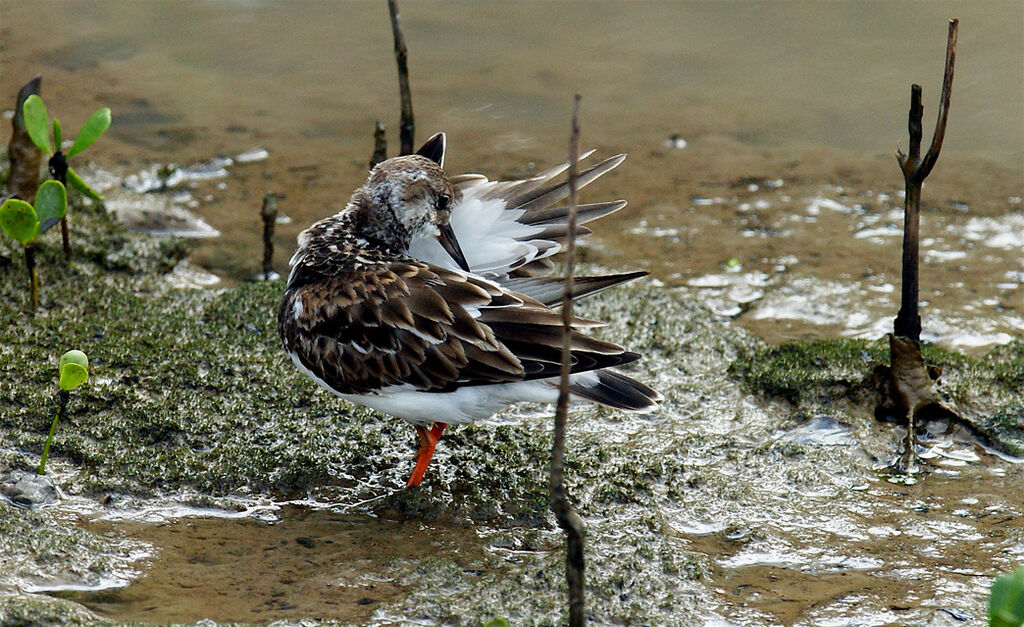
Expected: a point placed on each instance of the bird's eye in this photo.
(444, 202)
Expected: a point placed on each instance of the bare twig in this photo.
(269, 214)
(408, 126)
(380, 144)
(33, 278)
(947, 89)
(915, 170)
(568, 520)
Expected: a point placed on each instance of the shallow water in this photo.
(782, 213)
(790, 114)
(297, 562)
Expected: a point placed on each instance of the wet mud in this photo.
(779, 218)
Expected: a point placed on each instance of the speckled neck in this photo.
(373, 218)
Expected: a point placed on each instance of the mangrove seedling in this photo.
(25, 222)
(37, 123)
(74, 371)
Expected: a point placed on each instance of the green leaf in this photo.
(77, 182)
(91, 131)
(58, 138)
(497, 622)
(74, 369)
(1006, 605)
(19, 220)
(74, 357)
(37, 123)
(51, 204)
(72, 376)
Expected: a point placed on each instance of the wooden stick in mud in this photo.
(407, 126)
(380, 144)
(559, 503)
(33, 278)
(269, 214)
(915, 170)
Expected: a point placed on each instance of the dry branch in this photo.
(407, 127)
(380, 144)
(269, 214)
(915, 170)
(568, 520)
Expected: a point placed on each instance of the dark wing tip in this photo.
(619, 391)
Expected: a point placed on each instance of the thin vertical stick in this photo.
(408, 126)
(269, 214)
(947, 89)
(567, 518)
(33, 278)
(915, 170)
(380, 144)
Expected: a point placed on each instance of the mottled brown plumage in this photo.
(377, 326)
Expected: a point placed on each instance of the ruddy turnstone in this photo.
(421, 298)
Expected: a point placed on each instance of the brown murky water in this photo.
(782, 106)
(783, 209)
(306, 562)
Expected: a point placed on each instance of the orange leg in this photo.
(428, 440)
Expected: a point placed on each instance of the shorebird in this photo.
(423, 298)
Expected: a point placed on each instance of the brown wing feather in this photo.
(412, 323)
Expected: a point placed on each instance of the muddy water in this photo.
(790, 114)
(782, 213)
(299, 563)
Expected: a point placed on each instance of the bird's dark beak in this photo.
(451, 245)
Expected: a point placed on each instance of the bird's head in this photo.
(408, 198)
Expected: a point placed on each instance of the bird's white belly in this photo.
(462, 405)
(465, 404)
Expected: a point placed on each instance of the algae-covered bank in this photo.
(201, 477)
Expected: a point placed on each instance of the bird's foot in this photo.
(428, 440)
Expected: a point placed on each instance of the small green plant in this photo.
(1006, 604)
(37, 123)
(497, 622)
(25, 222)
(74, 371)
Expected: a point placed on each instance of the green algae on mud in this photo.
(988, 393)
(192, 397)
(192, 392)
(192, 400)
(39, 549)
(42, 611)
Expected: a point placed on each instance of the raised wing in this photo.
(511, 227)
